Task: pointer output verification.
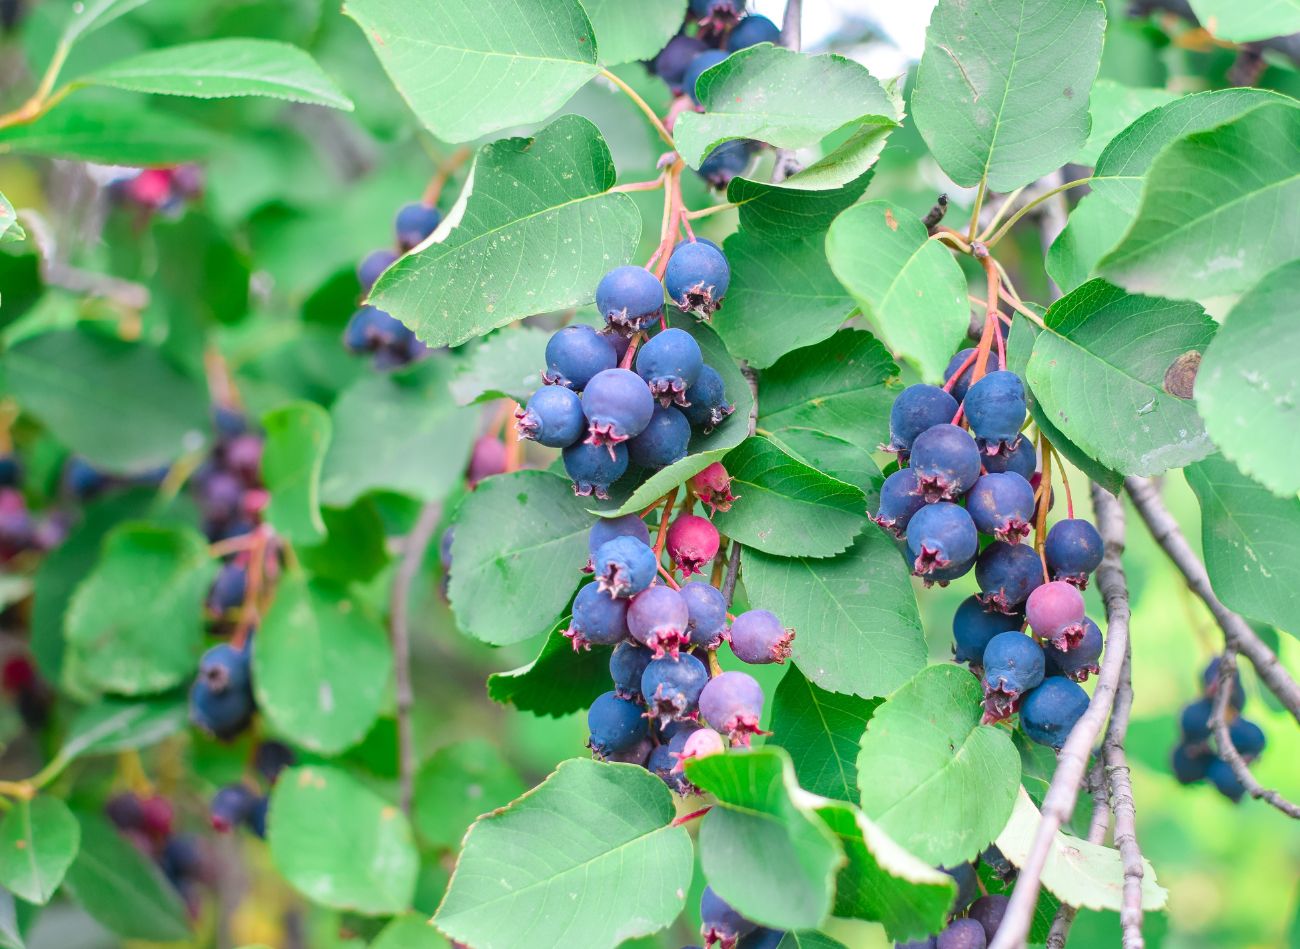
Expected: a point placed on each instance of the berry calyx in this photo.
(757, 637)
(1081, 661)
(617, 405)
(1013, 664)
(624, 567)
(692, 542)
(721, 925)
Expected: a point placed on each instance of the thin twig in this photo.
(1097, 827)
(1223, 738)
(1121, 802)
(417, 542)
(643, 106)
(1236, 631)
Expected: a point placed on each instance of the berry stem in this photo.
(446, 168)
(669, 500)
(1065, 478)
(1002, 347)
(991, 315)
(953, 237)
(715, 667)
(643, 106)
(626, 362)
(248, 612)
(653, 185)
(975, 210)
(669, 578)
(711, 209)
(1002, 231)
(966, 364)
(685, 818)
(1044, 502)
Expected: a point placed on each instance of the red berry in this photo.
(692, 543)
(1055, 612)
(713, 487)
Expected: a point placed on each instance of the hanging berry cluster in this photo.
(1195, 757)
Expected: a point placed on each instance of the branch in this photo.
(1097, 828)
(1072, 762)
(1236, 631)
(417, 543)
(1121, 802)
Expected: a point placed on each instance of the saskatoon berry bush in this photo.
(593, 473)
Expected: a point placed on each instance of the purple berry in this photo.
(671, 62)
(973, 627)
(231, 806)
(597, 618)
(707, 403)
(637, 754)
(962, 385)
(751, 31)
(593, 469)
(627, 663)
(707, 609)
(726, 162)
(720, 924)
(221, 698)
(1248, 738)
(672, 686)
(1055, 613)
(705, 60)
(615, 725)
(629, 297)
(927, 943)
(692, 542)
(414, 223)
(1190, 762)
(1081, 661)
(962, 934)
(1194, 722)
(553, 417)
(946, 462)
(624, 567)
(618, 406)
(662, 764)
(607, 528)
(900, 498)
(372, 267)
(1013, 664)
(228, 589)
(663, 441)
(698, 275)
(1001, 505)
(361, 334)
(967, 880)
(271, 758)
(917, 408)
(941, 539)
(657, 618)
(1073, 550)
(1020, 457)
(757, 637)
(670, 362)
(1007, 574)
(1050, 711)
(732, 704)
(1221, 775)
(995, 410)
(988, 912)
(575, 354)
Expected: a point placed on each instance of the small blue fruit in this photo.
(1001, 505)
(1195, 722)
(231, 806)
(607, 528)
(672, 686)
(973, 627)
(995, 409)
(1221, 775)
(663, 441)
(593, 468)
(1013, 664)
(917, 408)
(726, 162)
(1247, 737)
(627, 663)
(415, 222)
(624, 567)
(719, 922)
(705, 60)
(662, 764)
(372, 267)
(575, 354)
(670, 362)
(1081, 661)
(1020, 457)
(597, 618)
(941, 536)
(360, 335)
(706, 401)
(962, 385)
(697, 277)
(615, 725)
(1073, 550)
(1050, 711)
(221, 698)
(228, 589)
(900, 498)
(629, 297)
(553, 417)
(1210, 683)
(1007, 574)
(751, 31)
(1190, 762)
(618, 406)
(706, 611)
(946, 462)
(671, 61)
(657, 618)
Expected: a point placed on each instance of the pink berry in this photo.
(692, 543)
(1055, 612)
(713, 487)
(657, 618)
(487, 459)
(758, 637)
(699, 744)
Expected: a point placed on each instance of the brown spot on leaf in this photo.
(1180, 377)
(1069, 92)
(889, 220)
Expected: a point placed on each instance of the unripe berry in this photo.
(618, 406)
(713, 487)
(732, 704)
(1007, 574)
(488, 458)
(663, 441)
(917, 408)
(615, 725)
(672, 686)
(1081, 661)
(597, 618)
(593, 469)
(624, 566)
(629, 297)
(940, 540)
(995, 410)
(1055, 613)
(700, 743)
(670, 362)
(698, 274)
(707, 403)
(657, 618)
(707, 608)
(757, 637)
(1001, 505)
(946, 462)
(1050, 711)
(973, 627)
(1013, 664)
(1073, 550)
(627, 663)
(372, 267)
(900, 498)
(721, 925)
(692, 542)
(575, 354)
(553, 417)
(414, 223)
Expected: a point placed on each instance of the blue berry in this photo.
(615, 725)
(637, 754)
(83, 480)
(941, 538)
(962, 385)
(1073, 550)
(707, 613)
(995, 409)
(900, 498)
(657, 618)
(1050, 711)
(1189, 763)
(967, 880)
(961, 934)
(706, 401)
(1221, 775)
(973, 627)
(575, 354)
(719, 922)
(946, 462)
(553, 417)
(414, 223)
(607, 528)
(627, 663)
(726, 161)
(629, 297)
(670, 362)
(1195, 722)
(672, 686)
(372, 266)
(624, 567)
(597, 618)
(663, 765)
(593, 468)
(231, 806)
(1013, 664)
(1001, 505)
(663, 441)
(1247, 737)
(1020, 457)
(732, 704)
(361, 334)
(917, 408)
(221, 698)
(671, 62)
(988, 912)
(618, 406)
(1081, 661)
(757, 637)
(228, 589)
(271, 758)
(705, 60)
(182, 861)
(256, 819)
(751, 31)
(697, 277)
(1210, 683)
(1006, 575)
(11, 471)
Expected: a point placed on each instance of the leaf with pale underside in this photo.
(627, 32)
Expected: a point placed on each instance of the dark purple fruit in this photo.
(973, 627)
(698, 274)
(672, 685)
(1001, 505)
(657, 619)
(1007, 574)
(1013, 664)
(618, 406)
(900, 498)
(757, 637)
(575, 354)
(946, 462)
(670, 362)
(1049, 712)
(553, 417)
(1073, 550)
(597, 618)
(917, 408)
(663, 441)
(593, 469)
(1081, 661)
(629, 297)
(941, 538)
(615, 725)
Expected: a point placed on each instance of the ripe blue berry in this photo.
(1050, 711)
(751, 31)
(1195, 722)
(692, 542)
(697, 276)
(705, 60)
(962, 385)
(618, 406)
(1055, 613)
(941, 539)
(256, 819)
(11, 471)
(961, 934)
(670, 362)
(372, 266)
(663, 765)
(917, 408)
(1013, 664)
(758, 637)
(629, 297)
(720, 923)
(726, 161)
(1001, 505)
(607, 528)
(415, 222)
(657, 618)
(553, 417)
(182, 861)
(707, 611)
(597, 618)
(1081, 661)
(575, 354)
(671, 62)
(663, 441)
(946, 462)
(360, 335)
(1007, 574)
(1073, 550)
(271, 758)
(672, 687)
(221, 698)
(1210, 683)
(1020, 457)
(706, 401)
(593, 469)
(231, 806)
(1189, 763)
(973, 627)
(615, 725)
(627, 663)
(995, 409)
(900, 498)
(228, 589)
(732, 704)
(1221, 775)
(1247, 737)
(624, 567)
(988, 912)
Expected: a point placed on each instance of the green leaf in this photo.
(341, 844)
(1111, 362)
(627, 32)
(558, 682)
(539, 229)
(910, 286)
(321, 665)
(397, 433)
(776, 211)
(10, 932)
(762, 93)
(458, 783)
(136, 622)
(1002, 90)
(883, 882)
(114, 133)
(952, 781)
(833, 456)
(10, 229)
(297, 435)
(1251, 542)
(520, 542)
(821, 731)
(221, 69)
(788, 509)
(1094, 227)
(470, 69)
(762, 848)
(1080, 873)
(1239, 222)
(1246, 388)
(843, 386)
(81, 384)
(38, 842)
(1113, 106)
(93, 15)
(589, 856)
(355, 546)
(122, 888)
(114, 725)
(1244, 22)
(507, 365)
(413, 931)
(857, 628)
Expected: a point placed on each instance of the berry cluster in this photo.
(240, 804)
(958, 484)
(148, 822)
(371, 330)
(1194, 757)
(604, 415)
